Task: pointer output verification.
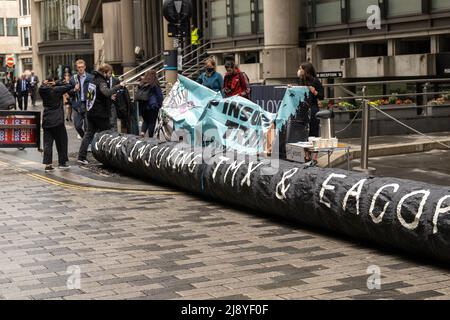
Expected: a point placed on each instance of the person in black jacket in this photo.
(308, 77)
(53, 122)
(98, 105)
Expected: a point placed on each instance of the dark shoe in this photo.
(83, 162)
(49, 168)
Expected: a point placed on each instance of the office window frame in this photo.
(16, 28)
(2, 27)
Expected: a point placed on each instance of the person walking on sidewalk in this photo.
(98, 106)
(150, 102)
(22, 92)
(80, 82)
(34, 83)
(52, 94)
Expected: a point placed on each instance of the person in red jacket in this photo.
(236, 82)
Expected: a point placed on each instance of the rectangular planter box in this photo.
(441, 111)
(398, 111)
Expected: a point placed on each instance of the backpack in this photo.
(244, 78)
(142, 93)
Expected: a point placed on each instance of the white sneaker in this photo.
(83, 162)
(79, 137)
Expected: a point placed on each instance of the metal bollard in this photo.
(365, 137)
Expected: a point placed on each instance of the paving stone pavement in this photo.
(138, 246)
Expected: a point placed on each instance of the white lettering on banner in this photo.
(222, 161)
(235, 168)
(282, 188)
(327, 187)
(73, 17)
(379, 219)
(175, 163)
(119, 145)
(130, 158)
(99, 142)
(249, 173)
(147, 162)
(439, 211)
(111, 144)
(356, 194)
(142, 151)
(184, 159)
(160, 156)
(415, 223)
(169, 157)
(192, 164)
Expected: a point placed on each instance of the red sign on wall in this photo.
(19, 130)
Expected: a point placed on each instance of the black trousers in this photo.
(33, 96)
(23, 101)
(150, 117)
(94, 125)
(59, 136)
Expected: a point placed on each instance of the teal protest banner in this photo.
(234, 123)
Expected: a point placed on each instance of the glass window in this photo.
(358, 9)
(328, 12)
(24, 7)
(404, 7)
(440, 4)
(242, 17)
(61, 20)
(58, 65)
(26, 37)
(2, 27)
(11, 27)
(260, 16)
(218, 19)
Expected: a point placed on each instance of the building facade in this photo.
(9, 38)
(58, 37)
(360, 39)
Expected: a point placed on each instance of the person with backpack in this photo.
(98, 106)
(150, 98)
(236, 82)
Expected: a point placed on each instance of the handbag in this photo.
(142, 93)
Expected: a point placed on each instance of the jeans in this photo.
(94, 125)
(80, 123)
(59, 136)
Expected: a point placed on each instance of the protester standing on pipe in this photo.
(211, 78)
(98, 106)
(52, 94)
(150, 99)
(236, 82)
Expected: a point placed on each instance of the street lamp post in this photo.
(178, 13)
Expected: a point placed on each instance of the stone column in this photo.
(281, 55)
(35, 9)
(128, 55)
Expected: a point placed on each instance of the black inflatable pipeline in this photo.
(411, 216)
